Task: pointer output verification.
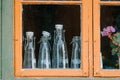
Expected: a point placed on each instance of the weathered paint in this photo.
(7, 37)
(7, 48)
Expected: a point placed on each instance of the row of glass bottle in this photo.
(60, 53)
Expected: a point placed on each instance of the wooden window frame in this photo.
(19, 72)
(98, 72)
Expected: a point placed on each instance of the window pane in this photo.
(39, 18)
(110, 36)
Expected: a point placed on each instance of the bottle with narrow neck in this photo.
(60, 54)
(44, 60)
(29, 51)
(75, 59)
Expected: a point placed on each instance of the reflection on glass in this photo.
(110, 37)
(39, 18)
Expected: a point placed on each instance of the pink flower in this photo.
(108, 30)
(105, 33)
(112, 29)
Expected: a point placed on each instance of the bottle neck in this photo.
(29, 40)
(76, 39)
(60, 34)
(76, 42)
(44, 39)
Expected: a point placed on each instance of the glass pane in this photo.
(55, 50)
(110, 36)
(110, 0)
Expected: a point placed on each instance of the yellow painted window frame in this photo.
(98, 72)
(85, 22)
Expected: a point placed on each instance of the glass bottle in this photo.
(29, 51)
(44, 60)
(75, 59)
(60, 54)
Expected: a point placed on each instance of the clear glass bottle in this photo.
(44, 60)
(75, 59)
(60, 54)
(29, 51)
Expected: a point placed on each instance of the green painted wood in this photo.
(0, 39)
(7, 37)
(7, 48)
